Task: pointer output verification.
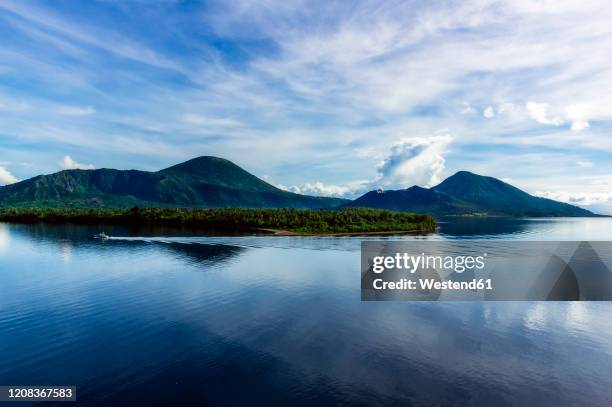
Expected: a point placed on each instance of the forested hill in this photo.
(206, 181)
(212, 182)
(465, 193)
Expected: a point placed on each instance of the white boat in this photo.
(102, 236)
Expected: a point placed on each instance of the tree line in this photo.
(348, 220)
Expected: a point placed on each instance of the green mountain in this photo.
(413, 199)
(467, 193)
(209, 182)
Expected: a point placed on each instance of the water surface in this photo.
(160, 316)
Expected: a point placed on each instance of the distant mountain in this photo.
(211, 182)
(413, 199)
(202, 182)
(468, 193)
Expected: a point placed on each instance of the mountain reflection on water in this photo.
(160, 316)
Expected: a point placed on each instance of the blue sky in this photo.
(330, 98)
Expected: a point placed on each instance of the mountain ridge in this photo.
(205, 181)
(466, 193)
(214, 182)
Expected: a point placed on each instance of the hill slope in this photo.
(413, 199)
(468, 193)
(202, 182)
(492, 195)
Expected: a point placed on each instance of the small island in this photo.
(277, 221)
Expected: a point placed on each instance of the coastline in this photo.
(281, 232)
(280, 222)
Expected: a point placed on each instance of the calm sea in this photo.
(170, 317)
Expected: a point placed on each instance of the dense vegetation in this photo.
(353, 220)
(212, 182)
(204, 182)
(468, 194)
(491, 195)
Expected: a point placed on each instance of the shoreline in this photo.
(279, 222)
(242, 231)
(281, 232)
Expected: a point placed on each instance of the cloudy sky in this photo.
(320, 97)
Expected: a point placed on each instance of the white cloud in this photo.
(69, 164)
(593, 192)
(414, 161)
(539, 113)
(10, 105)
(578, 115)
(577, 198)
(210, 121)
(6, 177)
(585, 164)
(467, 108)
(507, 107)
(488, 112)
(579, 125)
(320, 189)
(76, 110)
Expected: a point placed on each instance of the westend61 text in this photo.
(432, 284)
